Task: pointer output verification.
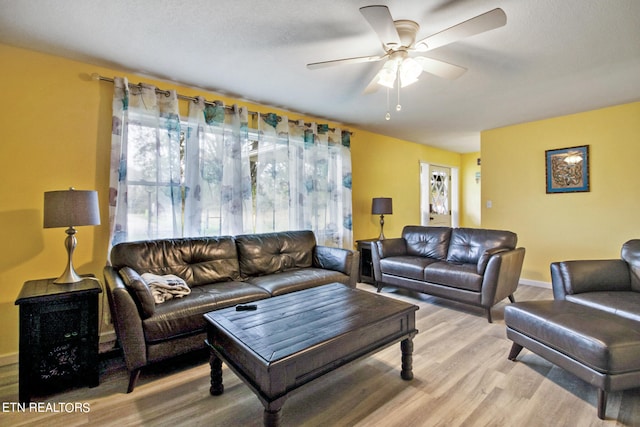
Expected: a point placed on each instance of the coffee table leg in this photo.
(407, 359)
(216, 388)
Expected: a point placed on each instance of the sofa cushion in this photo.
(184, 316)
(297, 279)
(411, 267)
(197, 260)
(461, 276)
(143, 296)
(631, 255)
(430, 242)
(270, 253)
(624, 304)
(469, 244)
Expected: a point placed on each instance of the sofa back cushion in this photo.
(198, 261)
(631, 255)
(468, 245)
(430, 242)
(269, 253)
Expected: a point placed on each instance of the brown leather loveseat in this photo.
(220, 272)
(470, 265)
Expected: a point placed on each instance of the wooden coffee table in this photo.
(292, 339)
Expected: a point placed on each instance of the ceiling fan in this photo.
(399, 41)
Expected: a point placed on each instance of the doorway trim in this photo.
(425, 188)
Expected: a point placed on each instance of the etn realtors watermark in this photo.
(47, 407)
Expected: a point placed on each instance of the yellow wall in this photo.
(388, 167)
(56, 125)
(470, 196)
(555, 227)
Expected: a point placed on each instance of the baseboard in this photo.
(108, 336)
(537, 283)
(8, 359)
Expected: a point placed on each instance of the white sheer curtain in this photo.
(145, 199)
(211, 175)
(303, 180)
(217, 171)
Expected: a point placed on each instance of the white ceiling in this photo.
(553, 57)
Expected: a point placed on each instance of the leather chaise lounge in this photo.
(592, 326)
(474, 266)
(220, 272)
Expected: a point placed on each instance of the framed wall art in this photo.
(567, 169)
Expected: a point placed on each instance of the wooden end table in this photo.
(292, 339)
(366, 260)
(58, 335)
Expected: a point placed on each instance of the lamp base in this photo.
(381, 227)
(69, 275)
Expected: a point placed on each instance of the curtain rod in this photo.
(98, 77)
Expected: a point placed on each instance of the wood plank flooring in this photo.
(462, 378)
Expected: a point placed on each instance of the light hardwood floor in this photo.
(462, 378)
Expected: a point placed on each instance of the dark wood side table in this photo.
(366, 261)
(58, 335)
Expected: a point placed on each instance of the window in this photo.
(210, 174)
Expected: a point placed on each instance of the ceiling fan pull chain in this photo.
(388, 115)
(398, 106)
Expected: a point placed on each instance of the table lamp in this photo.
(70, 208)
(381, 206)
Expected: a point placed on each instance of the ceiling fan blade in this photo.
(487, 21)
(440, 68)
(381, 21)
(356, 60)
(372, 87)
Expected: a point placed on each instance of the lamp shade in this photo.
(69, 208)
(381, 206)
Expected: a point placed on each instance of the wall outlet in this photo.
(489, 204)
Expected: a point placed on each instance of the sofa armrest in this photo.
(575, 277)
(391, 247)
(385, 248)
(486, 256)
(502, 275)
(338, 259)
(126, 320)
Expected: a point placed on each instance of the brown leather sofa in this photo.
(592, 327)
(220, 272)
(470, 265)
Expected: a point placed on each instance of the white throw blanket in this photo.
(166, 287)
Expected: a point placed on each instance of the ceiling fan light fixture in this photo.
(386, 79)
(387, 75)
(409, 71)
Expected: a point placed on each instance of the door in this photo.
(436, 195)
